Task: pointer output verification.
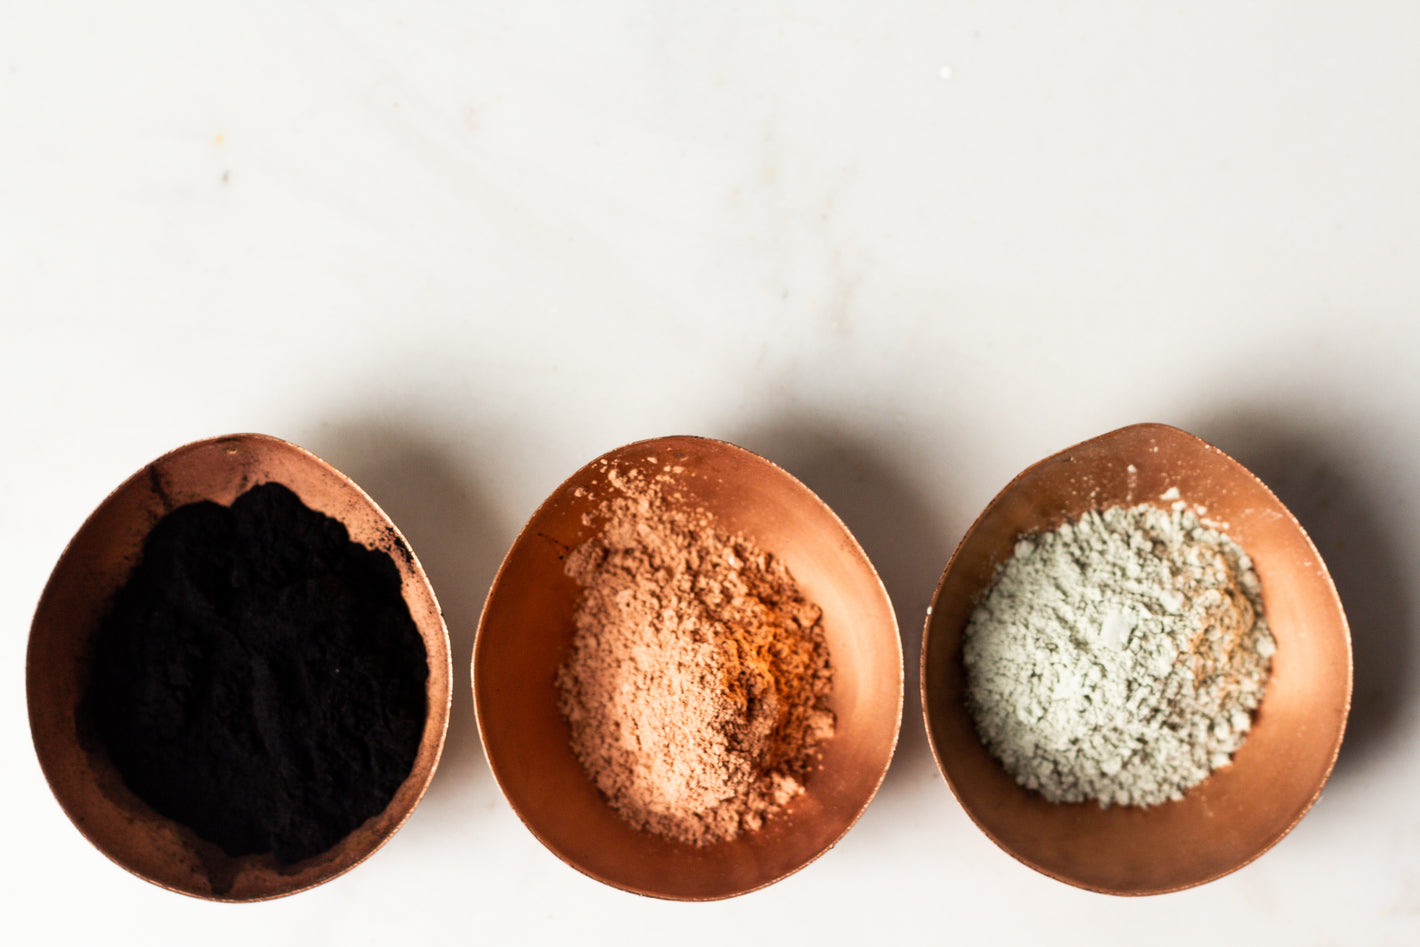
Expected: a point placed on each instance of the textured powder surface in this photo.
(259, 678)
(1119, 658)
(697, 682)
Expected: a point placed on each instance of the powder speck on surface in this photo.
(1119, 658)
(697, 682)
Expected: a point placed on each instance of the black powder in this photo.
(260, 679)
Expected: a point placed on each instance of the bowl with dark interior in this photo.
(93, 766)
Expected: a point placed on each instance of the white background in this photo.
(903, 249)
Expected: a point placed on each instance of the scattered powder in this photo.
(697, 681)
(1119, 658)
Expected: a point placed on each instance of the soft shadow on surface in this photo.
(1339, 498)
(899, 529)
(429, 493)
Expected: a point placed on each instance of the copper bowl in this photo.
(1241, 810)
(527, 626)
(97, 562)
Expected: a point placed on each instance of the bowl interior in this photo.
(97, 562)
(527, 627)
(1242, 809)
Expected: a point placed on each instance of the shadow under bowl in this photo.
(97, 562)
(527, 628)
(1242, 809)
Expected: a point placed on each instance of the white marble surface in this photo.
(903, 249)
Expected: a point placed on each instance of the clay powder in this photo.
(1119, 658)
(697, 681)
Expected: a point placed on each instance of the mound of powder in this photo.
(259, 677)
(697, 681)
(1119, 658)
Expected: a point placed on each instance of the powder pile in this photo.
(1119, 658)
(697, 681)
(259, 678)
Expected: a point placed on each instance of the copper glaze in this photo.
(96, 563)
(1242, 809)
(527, 626)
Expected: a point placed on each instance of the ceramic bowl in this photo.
(97, 562)
(1242, 809)
(527, 627)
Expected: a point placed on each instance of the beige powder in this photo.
(696, 685)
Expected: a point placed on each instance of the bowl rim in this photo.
(925, 690)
